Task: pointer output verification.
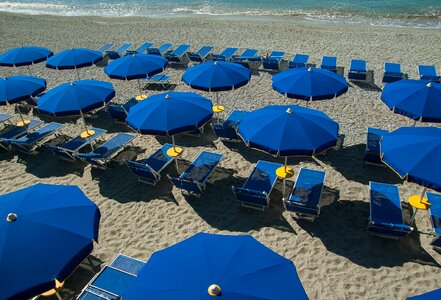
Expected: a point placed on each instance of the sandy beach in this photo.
(335, 256)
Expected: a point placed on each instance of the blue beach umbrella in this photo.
(24, 56)
(76, 98)
(46, 230)
(209, 265)
(419, 100)
(414, 153)
(309, 84)
(14, 89)
(74, 59)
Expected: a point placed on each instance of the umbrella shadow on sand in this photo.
(349, 162)
(342, 227)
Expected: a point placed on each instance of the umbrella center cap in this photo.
(11, 217)
(429, 84)
(215, 62)
(310, 69)
(214, 290)
(167, 96)
(72, 83)
(289, 110)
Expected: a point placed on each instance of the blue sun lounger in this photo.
(101, 156)
(114, 54)
(299, 61)
(256, 191)
(329, 63)
(70, 148)
(273, 61)
(249, 59)
(194, 179)
(105, 47)
(386, 218)
(161, 79)
(161, 50)
(357, 70)
(14, 132)
(392, 72)
(149, 171)
(227, 130)
(201, 55)
(32, 140)
(428, 73)
(141, 49)
(113, 281)
(179, 55)
(305, 197)
(226, 55)
(119, 112)
(435, 218)
(372, 151)
(432, 295)
(5, 119)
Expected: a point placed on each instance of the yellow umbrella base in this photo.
(23, 123)
(175, 151)
(87, 133)
(285, 172)
(419, 203)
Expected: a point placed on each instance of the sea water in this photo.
(413, 13)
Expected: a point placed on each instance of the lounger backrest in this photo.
(164, 47)
(202, 167)
(435, 211)
(114, 144)
(301, 58)
(143, 47)
(181, 50)
(78, 142)
(277, 55)
(308, 187)
(20, 130)
(374, 136)
(249, 52)
(142, 171)
(112, 280)
(127, 264)
(105, 47)
(358, 65)
(160, 158)
(40, 133)
(204, 51)
(385, 203)
(235, 118)
(426, 70)
(263, 177)
(159, 77)
(329, 62)
(225, 132)
(123, 48)
(228, 52)
(392, 68)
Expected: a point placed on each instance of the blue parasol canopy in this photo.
(24, 56)
(416, 99)
(414, 153)
(14, 89)
(216, 76)
(288, 130)
(170, 113)
(209, 265)
(74, 59)
(309, 84)
(75, 98)
(46, 230)
(135, 66)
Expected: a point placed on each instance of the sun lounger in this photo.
(299, 61)
(5, 119)
(329, 63)
(386, 218)
(29, 142)
(428, 73)
(141, 49)
(161, 50)
(226, 55)
(161, 79)
(201, 55)
(114, 54)
(357, 70)
(272, 62)
(15, 132)
(435, 218)
(193, 180)
(392, 72)
(113, 281)
(105, 47)
(227, 130)
(249, 59)
(256, 191)
(119, 112)
(101, 156)
(372, 150)
(305, 197)
(70, 148)
(149, 171)
(179, 55)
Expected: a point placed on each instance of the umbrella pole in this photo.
(29, 69)
(78, 73)
(416, 209)
(139, 87)
(23, 121)
(284, 179)
(84, 123)
(174, 149)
